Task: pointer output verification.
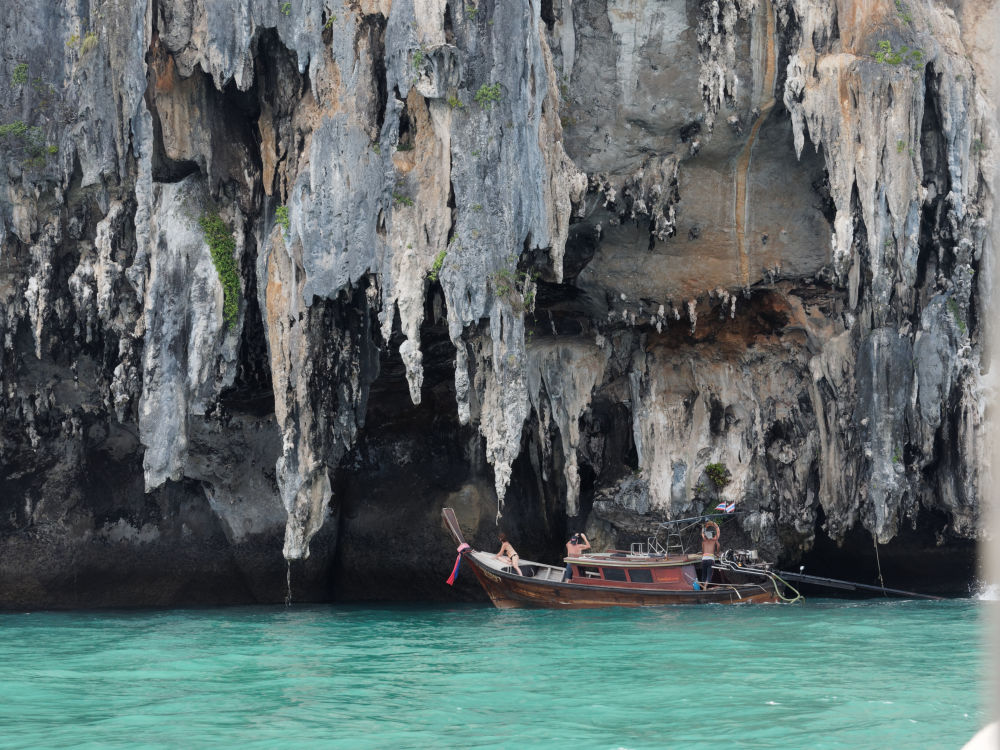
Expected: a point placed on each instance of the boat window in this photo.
(640, 575)
(614, 574)
(586, 571)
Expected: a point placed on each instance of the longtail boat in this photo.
(646, 575)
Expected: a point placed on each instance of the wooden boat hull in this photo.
(511, 591)
(542, 588)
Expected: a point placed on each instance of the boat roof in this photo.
(622, 559)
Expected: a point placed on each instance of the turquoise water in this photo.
(824, 674)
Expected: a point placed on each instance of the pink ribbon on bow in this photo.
(458, 563)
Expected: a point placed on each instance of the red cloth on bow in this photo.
(458, 564)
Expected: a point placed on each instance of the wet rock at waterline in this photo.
(277, 281)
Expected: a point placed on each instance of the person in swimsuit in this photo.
(507, 554)
(709, 549)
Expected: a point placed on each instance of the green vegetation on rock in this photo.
(438, 263)
(516, 288)
(886, 55)
(222, 246)
(957, 315)
(20, 74)
(903, 11)
(487, 96)
(719, 474)
(29, 140)
(281, 216)
(88, 43)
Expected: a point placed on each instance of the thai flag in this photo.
(726, 508)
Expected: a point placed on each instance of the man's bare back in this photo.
(710, 539)
(575, 548)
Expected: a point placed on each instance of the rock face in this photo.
(556, 263)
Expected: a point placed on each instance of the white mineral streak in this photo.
(835, 364)
(717, 39)
(867, 117)
(564, 373)
(420, 222)
(428, 18)
(489, 235)
(500, 377)
(187, 344)
(303, 480)
(671, 425)
(634, 24)
(93, 284)
(38, 289)
(418, 232)
(108, 271)
(880, 108)
(81, 285)
(564, 184)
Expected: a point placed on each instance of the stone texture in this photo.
(611, 242)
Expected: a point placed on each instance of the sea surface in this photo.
(822, 674)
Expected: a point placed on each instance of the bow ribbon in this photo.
(458, 563)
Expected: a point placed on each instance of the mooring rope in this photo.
(786, 583)
(767, 574)
(879, 564)
(288, 583)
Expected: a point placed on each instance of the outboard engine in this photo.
(743, 557)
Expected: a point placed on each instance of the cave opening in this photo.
(371, 32)
(406, 463)
(548, 14)
(923, 557)
(407, 131)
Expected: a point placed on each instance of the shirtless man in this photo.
(710, 547)
(507, 554)
(577, 544)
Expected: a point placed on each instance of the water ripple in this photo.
(823, 675)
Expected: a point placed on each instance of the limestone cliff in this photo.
(553, 262)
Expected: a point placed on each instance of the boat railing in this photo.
(675, 543)
(651, 548)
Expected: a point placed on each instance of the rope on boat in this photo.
(879, 564)
(798, 596)
(774, 577)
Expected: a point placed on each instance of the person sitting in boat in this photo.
(507, 554)
(710, 547)
(576, 544)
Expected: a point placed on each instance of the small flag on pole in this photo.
(726, 507)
